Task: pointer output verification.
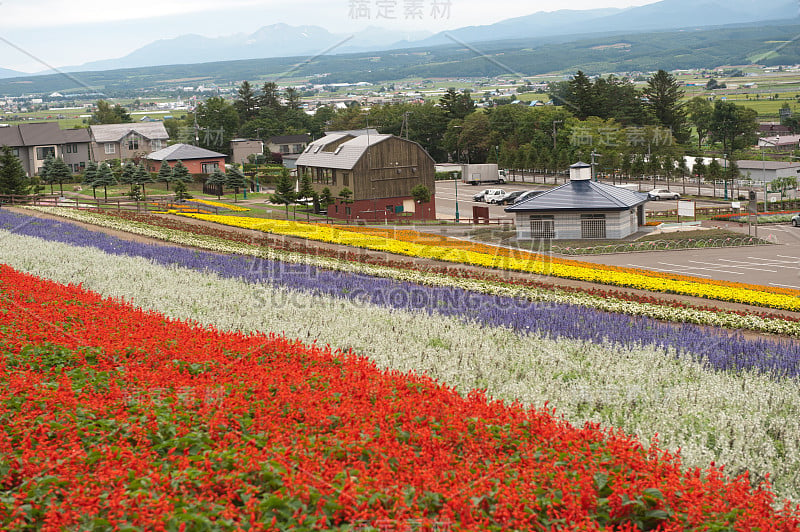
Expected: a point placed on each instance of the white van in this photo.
(493, 195)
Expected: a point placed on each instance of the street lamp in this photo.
(458, 160)
(725, 174)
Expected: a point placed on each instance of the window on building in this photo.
(209, 167)
(346, 179)
(298, 148)
(593, 225)
(155, 144)
(133, 142)
(285, 148)
(15, 152)
(110, 148)
(43, 151)
(542, 227)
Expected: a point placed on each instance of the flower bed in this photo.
(642, 279)
(217, 239)
(142, 421)
(232, 208)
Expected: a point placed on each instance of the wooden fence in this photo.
(152, 204)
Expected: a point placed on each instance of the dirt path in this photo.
(426, 264)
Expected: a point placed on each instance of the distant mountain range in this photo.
(276, 40)
(6, 73)
(282, 40)
(663, 15)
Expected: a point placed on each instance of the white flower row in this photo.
(745, 421)
(720, 318)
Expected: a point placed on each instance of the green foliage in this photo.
(45, 172)
(90, 177)
(135, 193)
(217, 178)
(345, 194)
(218, 122)
(180, 173)
(165, 173)
(235, 179)
(181, 192)
(664, 95)
(106, 114)
(734, 126)
(105, 178)
(421, 193)
(13, 180)
(325, 198)
(59, 173)
(284, 190)
(457, 104)
(128, 175)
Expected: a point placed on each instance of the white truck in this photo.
(477, 174)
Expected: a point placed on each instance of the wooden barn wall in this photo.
(391, 169)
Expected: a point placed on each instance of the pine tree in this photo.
(181, 173)
(128, 175)
(105, 178)
(235, 180)
(59, 172)
(13, 180)
(306, 191)
(284, 190)
(90, 177)
(165, 173)
(143, 177)
(217, 179)
(46, 172)
(180, 191)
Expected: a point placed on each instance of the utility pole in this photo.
(593, 155)
(554, 133)
(404, 126)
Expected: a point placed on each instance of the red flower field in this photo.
(115, 418)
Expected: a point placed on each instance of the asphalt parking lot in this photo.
(772, 265)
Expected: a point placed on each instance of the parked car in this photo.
(796, 220)
(528, 195)
(479, 196)
(511, 198)
(494, 195)
(662, 193)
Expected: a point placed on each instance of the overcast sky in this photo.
(36, 33)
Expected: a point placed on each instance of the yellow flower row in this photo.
(234, 208)
(640, 279)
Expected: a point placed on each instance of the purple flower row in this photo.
(719, 348)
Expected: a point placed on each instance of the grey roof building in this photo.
(288, 144)
(580, 209)
(127, 141)
(183, 152)
(766, 171)
(32, 143)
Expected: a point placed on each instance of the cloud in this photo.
(52, 13)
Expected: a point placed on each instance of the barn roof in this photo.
(345, 156)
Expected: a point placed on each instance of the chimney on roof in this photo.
(580, 172)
